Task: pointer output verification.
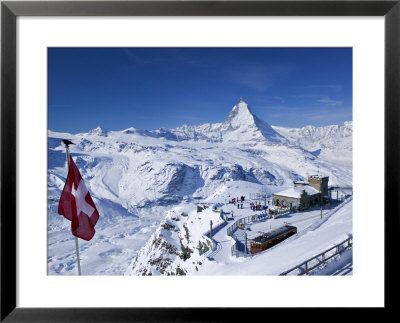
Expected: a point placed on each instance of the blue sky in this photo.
(149, 88)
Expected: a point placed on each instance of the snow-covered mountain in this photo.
(240, 125)
(333, 143)
(136, 176)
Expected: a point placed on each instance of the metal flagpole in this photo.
(77, 255)
(67, 143)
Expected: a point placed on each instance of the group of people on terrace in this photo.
(258, 207)
(254, 206)
(237, 200)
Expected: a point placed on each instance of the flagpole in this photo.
(67, 143)
(77, 255)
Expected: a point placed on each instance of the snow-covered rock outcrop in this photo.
(179, 245)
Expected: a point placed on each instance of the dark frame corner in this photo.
(10, 10)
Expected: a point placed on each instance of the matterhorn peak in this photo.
(240, 114)
(242, 104)
(243, 107)
(243, 121)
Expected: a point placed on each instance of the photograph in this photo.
(223, 161)
(211, 141)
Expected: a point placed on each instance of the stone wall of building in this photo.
(319, 183)
(296, 184)
(311, 200)
(286, 200)
(304, 202)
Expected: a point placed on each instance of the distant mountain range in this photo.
(333, 143)
(138, 168)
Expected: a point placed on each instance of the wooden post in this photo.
(320, 202)
(245, 244)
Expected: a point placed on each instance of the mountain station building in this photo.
(304, 195)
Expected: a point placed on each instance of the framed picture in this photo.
(38, 263)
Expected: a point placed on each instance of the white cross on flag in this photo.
(77, 205)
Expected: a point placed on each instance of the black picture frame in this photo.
(10, 10)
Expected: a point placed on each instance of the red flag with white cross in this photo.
(77, 205)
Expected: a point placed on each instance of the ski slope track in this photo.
(142, 181)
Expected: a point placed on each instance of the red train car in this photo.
(271, 238)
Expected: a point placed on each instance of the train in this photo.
(271, 238)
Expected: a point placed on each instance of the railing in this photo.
(316, 261)
(215, 229)
(278, 213)
(329, 214)
(237, 251)
(249, 219)
(239, 248)
(259, 196)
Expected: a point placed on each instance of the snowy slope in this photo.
(136, 178)
(332, 143)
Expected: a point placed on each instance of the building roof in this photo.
(295, 192)
(273, 234)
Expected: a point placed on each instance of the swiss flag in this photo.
(77, 205)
